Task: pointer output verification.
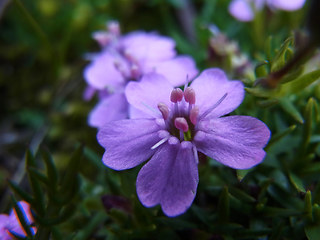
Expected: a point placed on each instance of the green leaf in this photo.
(280, 60)
(296, 182)
(241, 195)
(38, 194)
(288, 107)
(308, 206)
(300, 83)
(224, 205)
(260, 92)
(38, 175)
(261, 69)
(51, 168)
(307, 131)
(312, 232)
(278, 136)
(70, 181)
(21, 193)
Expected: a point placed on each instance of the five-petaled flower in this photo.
(172, 126)
(244, 10)
(10, 223)
(127, 58)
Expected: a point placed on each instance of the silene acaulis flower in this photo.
(171, 126)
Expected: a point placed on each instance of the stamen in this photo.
(214, 106)
(181, 124)
(195, 153)
(176, 95)
(163, 108)
(194, 113)
(190, 95)
(159, 143)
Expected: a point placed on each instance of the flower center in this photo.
(182, 116)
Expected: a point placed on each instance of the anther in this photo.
(176, 95)
(181, 124)
(194, 113)
(163, 108)
(190, 95)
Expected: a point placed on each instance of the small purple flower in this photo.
(10, 223)
(244, 10)
(127, 58)
(176, 126)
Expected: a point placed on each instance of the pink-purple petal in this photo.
(170, 178)
(211, 86)
(148, 46)
(113, 107)
(146, 94)
(235, 141)
(241, 10)
(287, 5)
(178, 71)
(128, 142)
(101, 72)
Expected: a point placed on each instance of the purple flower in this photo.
(244, 10)
(127, 58)
(179, 124)
(10, 223)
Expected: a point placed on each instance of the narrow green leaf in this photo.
(260, 92)
(280, 60)
(22, 217)
(292, 75)
(300, 83)
(261, 69)
(307, 131)
(308, 206)
(35, 184)
(312, 232)
(296, 182)
(70, 180)
(21, 193)
(241, 195)
(278, 136)
(289, 108)
(224, 205)
(51, 168)
(268, 103)
(38, 175)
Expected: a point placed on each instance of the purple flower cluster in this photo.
(244, 10)
(11, 224)
(127, 58)
(168, 126)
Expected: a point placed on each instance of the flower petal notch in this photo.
(181, 124)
